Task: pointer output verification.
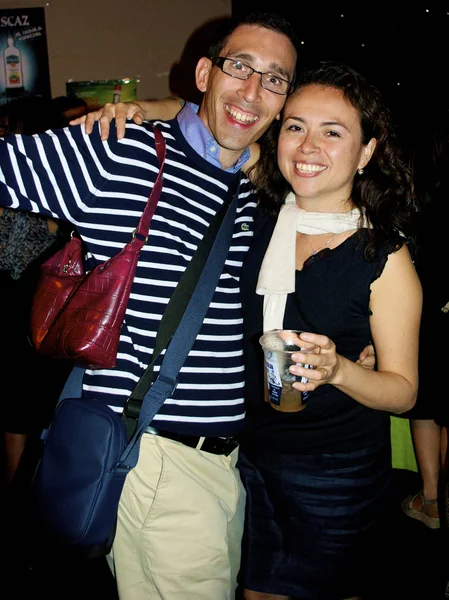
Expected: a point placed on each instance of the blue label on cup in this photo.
(273, 378)
(275, 394)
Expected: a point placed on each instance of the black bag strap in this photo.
(181, 298)
(184, 337)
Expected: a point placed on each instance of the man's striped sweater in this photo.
(102, 188)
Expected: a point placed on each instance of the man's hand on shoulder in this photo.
(120, 112)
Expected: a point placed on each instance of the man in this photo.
(181, 512)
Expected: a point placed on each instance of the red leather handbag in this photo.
(78, 315)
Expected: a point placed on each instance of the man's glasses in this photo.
(239, 70)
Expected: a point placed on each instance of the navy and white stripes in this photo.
(102, 188)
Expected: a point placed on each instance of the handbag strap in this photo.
(140, 234)
(143, 228)
(184, 336)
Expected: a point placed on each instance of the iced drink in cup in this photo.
(278, 346)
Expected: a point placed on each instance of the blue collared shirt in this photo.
(199, 137)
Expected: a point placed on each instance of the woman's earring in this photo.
(360, 171)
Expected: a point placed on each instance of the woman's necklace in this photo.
(321, 247)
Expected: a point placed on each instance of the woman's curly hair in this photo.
(384, 191)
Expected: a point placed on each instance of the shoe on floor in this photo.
(426, 511)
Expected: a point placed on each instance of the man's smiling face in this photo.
(238, 112)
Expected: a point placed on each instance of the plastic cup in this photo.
(278, 346)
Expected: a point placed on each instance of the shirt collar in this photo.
(199, 137)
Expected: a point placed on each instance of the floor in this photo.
(413, 562)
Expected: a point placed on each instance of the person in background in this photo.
(441, 317)
(69, 108)
(440, 322)
(428, 424)
(26, 240)
(31, 382)
(27, 115)
(318, 480)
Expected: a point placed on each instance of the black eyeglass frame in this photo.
(220, 60)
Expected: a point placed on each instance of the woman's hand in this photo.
(120, 112)
(367, 358)
(144, 110)
(324, 362)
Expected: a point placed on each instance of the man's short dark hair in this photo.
(273, 21)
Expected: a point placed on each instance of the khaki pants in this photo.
(180, 524)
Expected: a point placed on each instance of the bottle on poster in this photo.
(12, 63)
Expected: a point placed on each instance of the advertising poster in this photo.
(96, 93)
(24, 66)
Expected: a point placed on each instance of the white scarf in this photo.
(277, 273)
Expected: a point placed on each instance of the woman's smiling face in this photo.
(320, 146)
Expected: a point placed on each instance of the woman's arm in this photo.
(148, 110)
(396, 303)
(164, 109)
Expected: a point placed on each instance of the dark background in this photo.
(402, 48)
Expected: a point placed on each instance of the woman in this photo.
(318, 480)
